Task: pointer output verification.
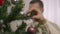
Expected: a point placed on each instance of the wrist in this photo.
(42, 20)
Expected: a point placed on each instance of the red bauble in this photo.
(31, 30)
(1, 2)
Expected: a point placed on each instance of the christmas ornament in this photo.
(1, 2)
(1, 21)
(31, 30)
(22, 12)
(15, 1)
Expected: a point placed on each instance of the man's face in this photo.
(35, 5)
(38, 10)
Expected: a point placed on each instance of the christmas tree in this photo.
(15, 14)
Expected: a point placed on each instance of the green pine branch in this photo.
(21, 29)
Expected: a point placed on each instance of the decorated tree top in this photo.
(15, 14)
(5, 19)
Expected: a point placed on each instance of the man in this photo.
(47, 26)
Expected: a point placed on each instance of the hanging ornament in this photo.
(1, 2)
(22, 12)
(31, 30)
(15, 1)
(1, 21)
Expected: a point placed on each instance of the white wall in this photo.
(51, 10)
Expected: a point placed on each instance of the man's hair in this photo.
(39, 1)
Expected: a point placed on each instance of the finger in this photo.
(35, 17)
(29, 11)
(28, 14)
